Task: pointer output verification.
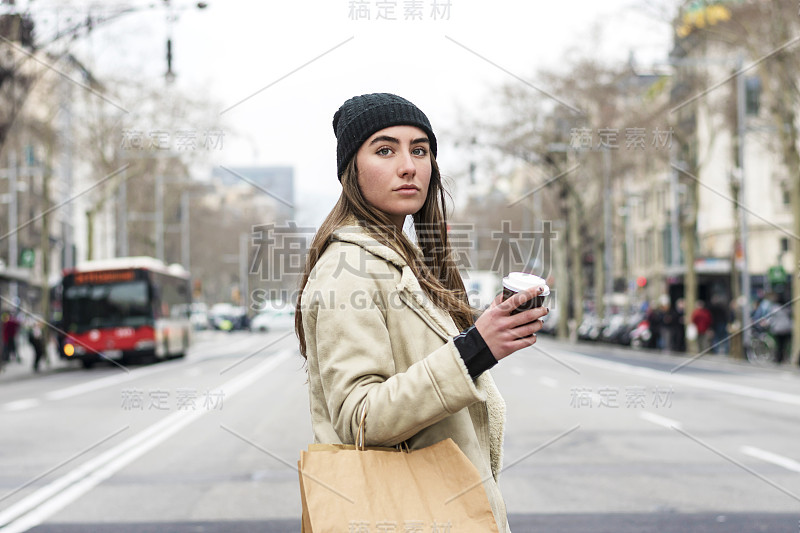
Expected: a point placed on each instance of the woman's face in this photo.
(394, 171)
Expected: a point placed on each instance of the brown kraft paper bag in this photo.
(383, 490)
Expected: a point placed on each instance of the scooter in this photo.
(641, 335)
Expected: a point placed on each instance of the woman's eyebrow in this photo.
(386, 138)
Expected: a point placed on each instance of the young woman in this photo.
(384, 324)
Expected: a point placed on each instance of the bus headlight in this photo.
(72, 349)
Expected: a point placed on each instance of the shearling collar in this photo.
(356, 234)
(408, 286)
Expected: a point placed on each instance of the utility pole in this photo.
(66, 169)
(630, 254)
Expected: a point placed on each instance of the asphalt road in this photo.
(597, 439)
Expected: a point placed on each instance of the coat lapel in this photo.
(414, 297)
(409, 289)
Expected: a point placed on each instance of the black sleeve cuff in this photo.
(477, 356)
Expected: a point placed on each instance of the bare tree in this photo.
(571, 127)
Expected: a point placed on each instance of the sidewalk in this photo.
(14, 371)
(708, 358)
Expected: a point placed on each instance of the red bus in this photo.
(129, 308)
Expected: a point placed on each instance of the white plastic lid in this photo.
(520, 281)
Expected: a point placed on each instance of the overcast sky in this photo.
(279, 69)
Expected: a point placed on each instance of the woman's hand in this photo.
(505, 333)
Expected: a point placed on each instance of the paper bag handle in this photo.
(360, 438)
(361, 423)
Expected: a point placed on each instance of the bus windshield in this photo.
(107, 305)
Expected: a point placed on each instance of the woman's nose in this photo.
(406, 166)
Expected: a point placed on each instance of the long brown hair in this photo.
(436, 270)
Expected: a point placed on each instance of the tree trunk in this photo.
(599, 279)
(688, 233)
(736, 349)
(45, 239)
(562, 287)
(89, 234)
(795, 191)
(785, 118)
(791, 159)
(576, 264)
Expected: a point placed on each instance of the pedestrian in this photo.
(655, 319)
(780, 327)
(10, 330)
(702, 319)
(721, 317)
(678, 331)
(385, 324)
(36, 339)
(667, 329)
(764, 307)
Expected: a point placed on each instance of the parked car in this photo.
(273, 319)
(590, 328)
(619, 327)
(199, 316)
(228, 317)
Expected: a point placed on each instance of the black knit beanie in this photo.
(361, 116)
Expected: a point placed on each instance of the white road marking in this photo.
(100, 383)
(549, 382)
(774, 458)
(662, 421)
(21, 405)
(107, 381)
(214, 349)
(692, 381)
(40, 505)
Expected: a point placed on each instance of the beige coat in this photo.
(375, 341)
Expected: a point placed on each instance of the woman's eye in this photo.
(384, 151)
(419, 151)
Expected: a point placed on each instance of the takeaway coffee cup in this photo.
(516, 282)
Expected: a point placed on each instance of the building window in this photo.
(784, 245)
